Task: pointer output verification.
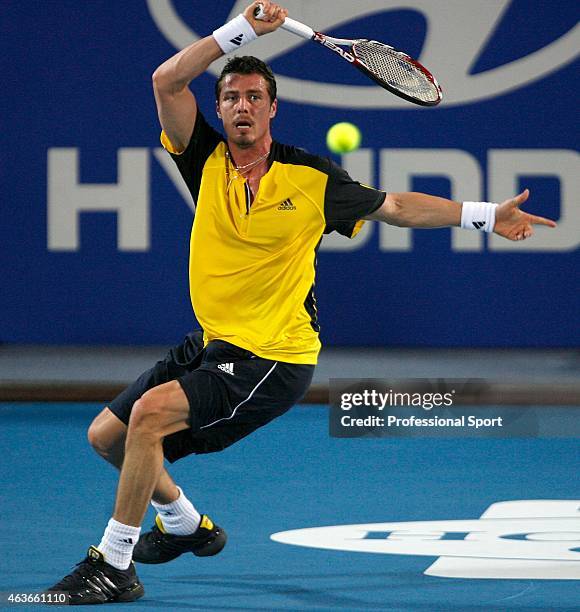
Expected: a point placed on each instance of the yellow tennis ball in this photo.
(343, 137)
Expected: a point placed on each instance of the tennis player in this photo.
(262, 209)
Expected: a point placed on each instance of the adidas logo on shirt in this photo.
(237, 40)
(287, 205)
(478, 224)
(227, 367)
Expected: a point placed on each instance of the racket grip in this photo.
(290, 25)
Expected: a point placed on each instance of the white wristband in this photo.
(478, 215)
(234, 34)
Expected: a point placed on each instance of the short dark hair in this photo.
(248, 64)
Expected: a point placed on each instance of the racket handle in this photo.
(290, 25)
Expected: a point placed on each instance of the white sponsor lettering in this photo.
(527, 539)
(398, 169)
(129, 198)
(506, 168)
(67, 199)
(327, 43)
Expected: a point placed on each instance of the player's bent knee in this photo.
(106, 434)
(147, 414)
(160, 411)
(95, 439)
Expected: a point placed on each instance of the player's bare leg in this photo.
(160, 412)
(179, 527)
(107, 435)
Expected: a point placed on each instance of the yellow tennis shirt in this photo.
(252, 267)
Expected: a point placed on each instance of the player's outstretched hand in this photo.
(273, 19)
(515, 224)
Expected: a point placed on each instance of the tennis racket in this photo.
(391, 69)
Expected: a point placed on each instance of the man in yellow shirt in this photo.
(261, 210)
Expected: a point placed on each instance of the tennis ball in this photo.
(343, 137)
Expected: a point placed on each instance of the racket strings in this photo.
(396, 70)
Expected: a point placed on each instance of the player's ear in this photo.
(217, 109)
(273, 109)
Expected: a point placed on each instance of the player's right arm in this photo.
(176, 105)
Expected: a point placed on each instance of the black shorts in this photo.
(231, 393)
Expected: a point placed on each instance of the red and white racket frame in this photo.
(336, 44)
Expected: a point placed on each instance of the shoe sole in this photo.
(132, 595)
(125, 597)
(213, 548)
(209, 550)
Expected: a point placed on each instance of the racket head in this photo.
(397, 72)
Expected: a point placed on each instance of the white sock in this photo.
(178, 517)
(118, 543)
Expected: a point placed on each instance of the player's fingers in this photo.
(273, 12)
(541, 221)
(520, 198)
(266, 7)
(523, 196)
(279, 16)
(254, 9)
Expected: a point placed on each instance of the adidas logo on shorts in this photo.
(227, 367)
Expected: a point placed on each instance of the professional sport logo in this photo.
(456, 34)
(537, 539)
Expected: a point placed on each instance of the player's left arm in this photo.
(420, 210)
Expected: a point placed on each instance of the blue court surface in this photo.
(57, 497)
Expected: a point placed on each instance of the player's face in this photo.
(244, 107)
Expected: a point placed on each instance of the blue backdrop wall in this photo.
(94, 223)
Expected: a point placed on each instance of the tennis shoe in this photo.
(96, 582)
(157, 546)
